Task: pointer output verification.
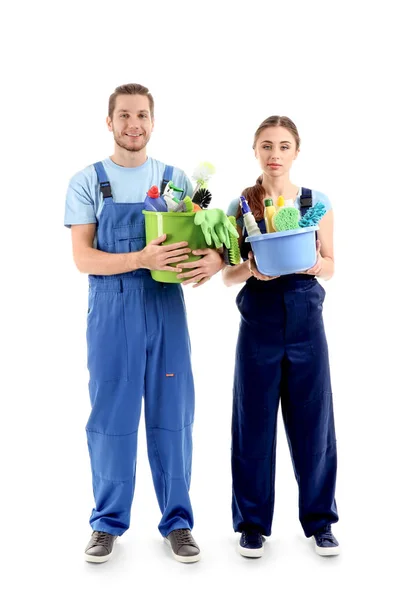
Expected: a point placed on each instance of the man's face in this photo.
(131, 124)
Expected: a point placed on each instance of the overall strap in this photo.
(306, 200)
(104, 184)
(167, 177)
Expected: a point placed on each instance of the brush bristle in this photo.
(234, 251)
(202, 197)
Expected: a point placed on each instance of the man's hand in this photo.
(202, 270)
(158, 258)
(254, 269)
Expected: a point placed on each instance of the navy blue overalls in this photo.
(282, 354)
(138, 345)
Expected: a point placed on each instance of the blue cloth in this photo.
(282, 355)
(138, 345)
(317, 197)
(84, 201)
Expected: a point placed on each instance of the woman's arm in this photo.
(324, 267)
(236, 273)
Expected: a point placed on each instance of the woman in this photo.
(282, 354)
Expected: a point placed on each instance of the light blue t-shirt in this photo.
(84, 201)
(317, 197)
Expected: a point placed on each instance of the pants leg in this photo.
(308, 409)
(115, 334)
(256, 395)
(169, 405)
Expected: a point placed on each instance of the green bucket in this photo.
(179, 227)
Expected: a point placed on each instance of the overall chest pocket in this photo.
(129, 238)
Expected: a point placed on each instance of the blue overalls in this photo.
(282, 353)
(138, 345)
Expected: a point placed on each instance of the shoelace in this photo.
(184, 537)
(101, 538)
(325, 535)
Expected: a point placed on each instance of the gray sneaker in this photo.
(183, 546)
(100, 547)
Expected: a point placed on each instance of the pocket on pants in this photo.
(107, 356)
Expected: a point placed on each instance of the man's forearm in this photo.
(96, 262)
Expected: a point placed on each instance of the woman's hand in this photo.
(316, 269)
(254, 270)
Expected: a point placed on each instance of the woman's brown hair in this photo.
(255, 195)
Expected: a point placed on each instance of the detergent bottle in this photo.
(269, 212)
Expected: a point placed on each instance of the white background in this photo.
(216, 70)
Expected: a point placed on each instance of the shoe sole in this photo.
(332, 551)
(97, 559)
(100, 559)
(251, 552)
(183, 559)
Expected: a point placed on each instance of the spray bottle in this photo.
(249, 221)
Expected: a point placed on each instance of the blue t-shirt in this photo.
(84, 201)
(317, 197)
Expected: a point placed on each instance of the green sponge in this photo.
(286, 218)
(233, 252)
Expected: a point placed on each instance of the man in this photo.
(138, 343)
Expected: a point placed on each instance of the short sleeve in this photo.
(320, 197)
(80, 206)
(182, 181)
(232, 211)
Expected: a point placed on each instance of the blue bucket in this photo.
(285, 252)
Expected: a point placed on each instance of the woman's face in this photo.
(276, 150)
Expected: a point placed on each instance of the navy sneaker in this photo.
(251, 544)
(325, 542)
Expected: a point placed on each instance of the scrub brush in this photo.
(286, 218)
(313, 215)
(233, 252)
(201, 174)
(202, 197)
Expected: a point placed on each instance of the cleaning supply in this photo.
(202, 174)
(249, 221)
(189, 204)
(215, 226)
(180, 207)
(269, 212)
(313, 215)
(169, 197)
(280, 203)
(286, 218)
(154, 201)
(233, 251)
(202, 197)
